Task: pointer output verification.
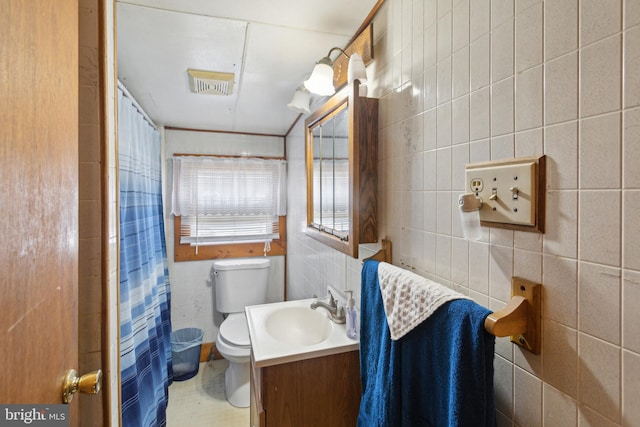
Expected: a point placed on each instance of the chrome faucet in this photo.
(336, 313)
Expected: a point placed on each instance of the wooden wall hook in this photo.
(521, 318)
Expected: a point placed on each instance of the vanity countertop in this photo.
(268, 350)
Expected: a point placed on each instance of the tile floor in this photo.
(200, 401)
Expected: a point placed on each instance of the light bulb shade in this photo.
(300, 101)
(321, 80)
(356, 70)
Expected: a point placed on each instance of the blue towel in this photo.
(439, 374)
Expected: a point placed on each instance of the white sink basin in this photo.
(298, 325)
(289, 331)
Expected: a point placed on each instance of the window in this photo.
(227, 201)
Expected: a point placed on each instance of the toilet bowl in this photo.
(234, 345)
(238, 283)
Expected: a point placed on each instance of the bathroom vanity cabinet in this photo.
(318, 392)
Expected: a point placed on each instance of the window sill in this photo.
(184, 252)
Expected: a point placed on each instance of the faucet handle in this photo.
(332, 300)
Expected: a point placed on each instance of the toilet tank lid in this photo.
(241, 263)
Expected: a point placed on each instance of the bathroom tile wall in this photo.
(474, 80)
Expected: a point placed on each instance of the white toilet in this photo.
(238, 283)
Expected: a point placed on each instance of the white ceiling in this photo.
(270, 45)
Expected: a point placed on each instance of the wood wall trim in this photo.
(224, 131)
(208, 351)
(368, 20)
(107, 261)
(291, 128)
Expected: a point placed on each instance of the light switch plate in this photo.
(512, 192)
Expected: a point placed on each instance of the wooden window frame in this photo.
(186, 252)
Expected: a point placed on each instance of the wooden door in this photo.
(38, 199)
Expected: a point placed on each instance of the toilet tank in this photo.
(240, 282)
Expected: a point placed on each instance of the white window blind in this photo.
(227, 200)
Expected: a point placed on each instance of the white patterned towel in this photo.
(409, 299)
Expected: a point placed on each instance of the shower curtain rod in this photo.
(126, 93)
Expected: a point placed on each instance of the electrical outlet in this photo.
(508, 190)
(476, 185)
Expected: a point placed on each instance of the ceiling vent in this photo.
(211, 82)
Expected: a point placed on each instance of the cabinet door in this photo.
(329, 142)
(341, 144)
(340, 174)
(319, 392)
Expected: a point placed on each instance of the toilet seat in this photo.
(233, 341)
(234, 330)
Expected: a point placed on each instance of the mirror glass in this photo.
(331, 174)
(317, 145)
(341, 172)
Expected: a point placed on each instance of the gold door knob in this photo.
(90, 383)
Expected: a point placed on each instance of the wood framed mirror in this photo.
(341, 161)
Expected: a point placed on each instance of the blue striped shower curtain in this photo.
(145, 323)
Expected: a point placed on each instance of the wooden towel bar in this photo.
(384, 254)
(520, 318)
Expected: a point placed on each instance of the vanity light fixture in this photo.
(300, 101)
(357, 71)
(321, 80)
(340, 71)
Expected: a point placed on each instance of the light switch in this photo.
(510, 192)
